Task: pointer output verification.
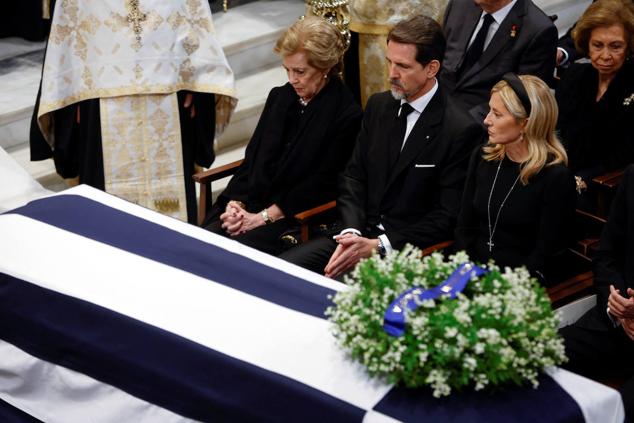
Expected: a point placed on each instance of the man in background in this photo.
(488, 38)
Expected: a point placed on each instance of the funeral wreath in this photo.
(446, 323)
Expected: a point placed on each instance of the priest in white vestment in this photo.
(131, 96)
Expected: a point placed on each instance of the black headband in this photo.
(517, 86)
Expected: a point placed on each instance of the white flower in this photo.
(470, 363)
(450, 332)
(469, 338)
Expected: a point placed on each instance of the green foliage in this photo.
(501, 329)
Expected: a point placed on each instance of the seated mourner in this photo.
(405, 178)
(302, 141)
(601, 343)
(488, 38)
(519, 195)
(596, 99)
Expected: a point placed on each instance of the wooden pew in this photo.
(304, 219)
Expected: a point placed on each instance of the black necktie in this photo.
(398, 133)
(477, 47)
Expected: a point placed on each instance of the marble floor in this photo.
(19, 79)
(247, 34)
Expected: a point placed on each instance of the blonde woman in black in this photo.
(519, 196)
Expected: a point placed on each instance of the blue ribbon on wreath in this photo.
(396, 315)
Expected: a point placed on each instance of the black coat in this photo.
(595, 346)
(532, 227)
(296, 172)
(417, 202)
(597, 135)
(525, 43)
(614, 261)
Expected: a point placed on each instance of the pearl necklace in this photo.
(303, 102)
(497, 217)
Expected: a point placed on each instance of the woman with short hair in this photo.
(303, 139)
(596, 99)
(519, 195)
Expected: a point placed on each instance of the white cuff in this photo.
(386, 243)
(565, 53)
(616, 322)
(350, 231)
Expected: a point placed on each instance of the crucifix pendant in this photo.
(490, 244)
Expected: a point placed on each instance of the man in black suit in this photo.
(601, 343)
(404, 181)
(488, 38)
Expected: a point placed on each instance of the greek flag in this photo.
(110, 312)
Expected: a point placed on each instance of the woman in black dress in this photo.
(596, 99)
(304, 138)
(519, 195)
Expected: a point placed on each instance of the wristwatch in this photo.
(265, 217)
(381, 248)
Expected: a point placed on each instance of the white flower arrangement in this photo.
(499, 329)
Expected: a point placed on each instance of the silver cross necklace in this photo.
(497, 217)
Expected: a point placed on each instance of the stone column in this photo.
(372, 20)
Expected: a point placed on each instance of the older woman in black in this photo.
(519, 195)
(304, 138)
(596, 99)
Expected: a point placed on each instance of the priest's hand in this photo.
(622, 308)
(189, 104)
(351, 249)
(232, 218)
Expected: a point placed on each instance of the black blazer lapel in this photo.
(424, 132)
(315, 132)
(384, 149)
(263, 146)
(505, 34)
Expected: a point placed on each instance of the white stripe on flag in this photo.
(597, 402)
(243, 326)
(55, 394)
(203, 235)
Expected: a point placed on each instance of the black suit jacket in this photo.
(417, 201)
(525, 43)
(305, 174)
(614, 261)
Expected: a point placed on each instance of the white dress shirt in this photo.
(498, 17)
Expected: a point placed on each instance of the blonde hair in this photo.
(319, 39)
(544, 147)
(603, 14)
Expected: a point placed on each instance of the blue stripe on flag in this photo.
(10, 414)
(110, 226)
(549, 403)
(153, 364)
